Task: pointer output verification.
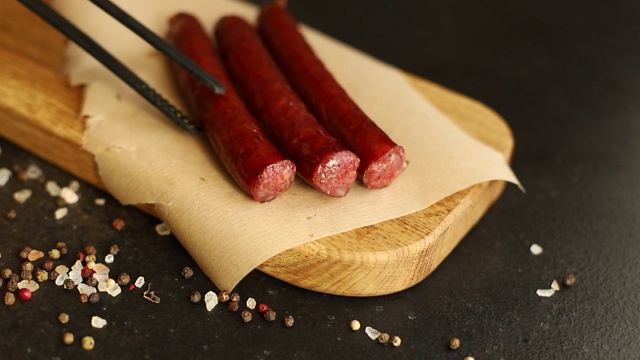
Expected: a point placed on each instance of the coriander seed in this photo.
(234, 297)
(354, 325)
(383, 338)
(88, 343)
(63, 318)
(9, 298)
(94, 297)
(48, 265)
(246, 316)
(454, 343)
(269, 315)
(187, 272)
(6, 273)
(90, 250)
(396, 341)
(124, 279)
(67, 338)
(233, 306)
(195, 297)
(42, 275)
(54, 254)
(118, 224)
(288, 321)
(223, 296)
(114, 249)
(569, 280)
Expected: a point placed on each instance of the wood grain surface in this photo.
(40, 112)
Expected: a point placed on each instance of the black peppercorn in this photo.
(234, 297)
(53, 275)
(269, 315)
(90, 250)
(288, 321)
(196, 297)
(92, 282)
(569, 280)
(68, 284)
(23, 254)
(27, 266)
(454, 343)
(383, 338)
(94, 297)
(48, 265)
(124, 279)
(26, 275)
(187, 272)
(233, 306)
(114, 249)
(9, 299)
(6, 273)
(246, 316)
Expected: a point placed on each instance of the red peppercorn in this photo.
(263, 308)
(86, 272)
(131, 287)
(80, 256)
(24, 294)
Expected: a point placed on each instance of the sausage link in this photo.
(381, 160)
(320, 159)
(244, 149)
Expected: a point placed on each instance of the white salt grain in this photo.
(52, 188)
(373, 333)
(77, 265)
(69, 196)
(102, 286)
(61, 269)
(22, 195)
(33, 172)
(100, 201)
(76, 276)
(139, 282)
(114, 290)
(98, 322)
(109, 258)
(100, 268)
(210, 300)
(5, 174)
(28, 284)
(536, 249)
(545, 292)
(74, 185)
(251, 303)
(61, 212)
(61, 278)
(163, 229)
(86, 289)
(555, 286)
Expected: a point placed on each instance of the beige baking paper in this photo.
(143, 158)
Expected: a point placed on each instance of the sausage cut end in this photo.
(383, 171)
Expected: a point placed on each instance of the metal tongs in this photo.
(76, 35)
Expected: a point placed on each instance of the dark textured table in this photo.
(565, 77)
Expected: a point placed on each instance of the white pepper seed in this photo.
(396, 341)
(469, 358)
(67, 338)
(63, 318)
(246, 316)
(90, 259)
(454, 343)
(355, 325)
(54, 254)
(9, 298)
(196, 297)
(569, 280)
(42, 275)
(6, 273)
(88, 343)
(114, 249)
(383, 338)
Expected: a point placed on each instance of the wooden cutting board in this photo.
(40, 112)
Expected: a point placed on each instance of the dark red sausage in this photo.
(381, 160)
(320, 159)
(244, 149)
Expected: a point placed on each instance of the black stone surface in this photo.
(564, 75)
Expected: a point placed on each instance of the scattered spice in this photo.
(454, 343)
(90, 250)
(21, 196)
(10, 214)
(54, 254)
(251, 303)
(9, 298)
(262, 308)
(26, 275)
(90, 259)
(68, 195)
(42, 275)
(269, 315)
(246, 316)
(233, 306)
(545, 292)
(187, 272)
(80, 256)
(223, 296)
(68, 284)
(94, 297)
(23, 254)
(83, 298)
(67, 338)
(114, 249)
(383, 338)
(98, 322)
(235, 297)
(63, 318)
(396, 341)
(6, 273)
(354, 325)
(124, 279)
(150, 295)
(88, 343)
(195, 297)
(91, 281)
(47, 265)
(25, 294)
(288, 321)
(53, 275)
(371, 332)
(118, 224)
(12, 284)
(569, 280)
(162, 229)
(35, 255)
(210, 300)
(60, 213)
(27, 266)
(469, 358)
(536, 249)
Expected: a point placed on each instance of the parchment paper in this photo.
(143, 158)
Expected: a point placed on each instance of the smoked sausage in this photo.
(381, 160)
(242, 146)
(321, 160)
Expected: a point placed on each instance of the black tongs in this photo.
(89, 45)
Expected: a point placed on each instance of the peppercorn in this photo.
(86, 272)
(114, 249)
(234, 297)
(27, 266)
(25, 294)
(92, 281)
(68, 284)
(53, 275)
(269, 315)
(262, 308)
(396, 341)
(569, 280)
(23, 254)
(26, 275)
(233, 306)
(246, 316)
(88, 343)
(42, 275)
(223, 296)
(354, 325)
(110, 282)
(454, 343)
(90, 259)
(94, 297)
(118, 224)
(469, 358)
(12, 284)
(187, 272)
(10, 215)
(124, 279)
(288, 321)
(48, 265)
(67, 338)
(35, 255)
(90, 250)
(63, 318)
(1, 282)
(383, 338)
(9, 298)
(6, 273)
(196, 297)
(54, 254)
(83, 298)
(80, 256)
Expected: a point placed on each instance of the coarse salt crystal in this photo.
(102, 286)
(251, 303)
(536, 249)
(545, 292)
(5, 174)
(61, 278)
(139, 282)
(86, 289)
(109, 258)
(101, 277)
(61, 212)
(22, 195)
(114, 290)
(163, 229)
(98, 322)
(33, 172)
(555, 286)
(210, 300)
(74, 185)
(69, 196)
(100, 201)
(372, 333)
(52, 188)
(35, 255)
(28, 284)
(61, 269)
(77, 265)
(76, 276)
(100, 268)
